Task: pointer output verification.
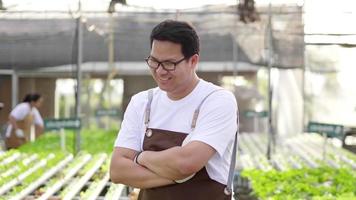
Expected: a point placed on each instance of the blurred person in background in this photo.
(22, 118)
(176, 140)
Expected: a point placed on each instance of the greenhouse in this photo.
(75, 87)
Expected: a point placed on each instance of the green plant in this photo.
(50, 142)
(324, 182)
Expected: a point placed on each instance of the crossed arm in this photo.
(159, 168)
(124, 170)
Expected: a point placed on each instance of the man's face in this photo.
(176, 82)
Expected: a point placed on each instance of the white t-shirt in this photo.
(21, 111)
(216, 124)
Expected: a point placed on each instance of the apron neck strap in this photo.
(197, 110)
(148, 107)
(230, 179)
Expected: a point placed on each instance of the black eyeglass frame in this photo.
(161, 63)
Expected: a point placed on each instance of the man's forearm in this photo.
(125, 171)
(170, 163)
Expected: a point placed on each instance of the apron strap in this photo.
(230, 179)
(228, 188)
(148, 107)
(197, 110)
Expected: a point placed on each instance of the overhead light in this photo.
(247, 11)
(112, 4)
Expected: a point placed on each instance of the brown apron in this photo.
(13, 141)
(200, 187)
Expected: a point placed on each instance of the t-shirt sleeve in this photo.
(129, 135)
(217, 121)
(37, 117)
(20, 111)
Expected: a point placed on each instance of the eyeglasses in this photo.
(166, 65)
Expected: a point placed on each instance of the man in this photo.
(176, 140)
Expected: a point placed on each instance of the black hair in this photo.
(31, 97)
(177, 32)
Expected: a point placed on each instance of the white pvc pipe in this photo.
(42, 179)
(277, 165)
(82, 181)
(15, 168)
(53, 189)
(21, 177)
(9, 172)
(96, 191)
(315, 140)
(27, 161)
(295, 164)
(302, 155)
(317, 155)
(246, 162)
(116, 194)
(257, 143)
(14, 89)
(10, 159)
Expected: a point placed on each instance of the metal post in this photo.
(270, 89)
(111, 72)
(255, 123)
(324, 145)
(62, 139)
(234, 55)
(304, 118)
(111, 50)
(14, 88)
(79, 74)
(303, 75)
